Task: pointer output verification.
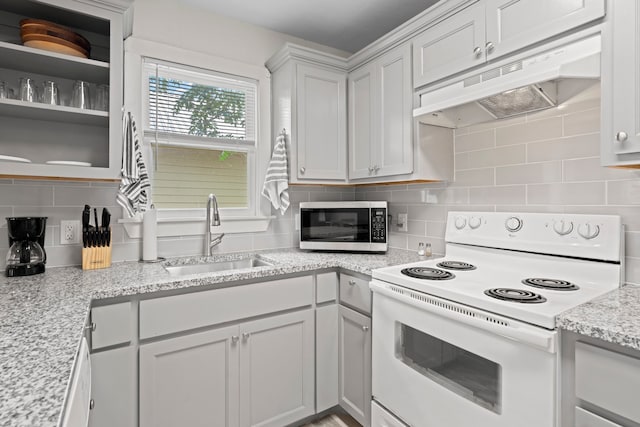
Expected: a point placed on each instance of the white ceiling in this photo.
(349, 25)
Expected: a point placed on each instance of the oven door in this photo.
(437, 363)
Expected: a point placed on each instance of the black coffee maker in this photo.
(26, 254)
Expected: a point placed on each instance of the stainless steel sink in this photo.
(215, 266)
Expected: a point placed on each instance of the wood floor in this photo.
(335, 420)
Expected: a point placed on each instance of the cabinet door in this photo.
(449, 47)
(620, 126)
(327, 371)
(321, 123)
(394, 154)
(355, 364)
(362, 136)
(515, 24)
(113, 388)
(277, 370)
(190, 380)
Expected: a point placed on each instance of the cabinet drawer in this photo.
(112, 325)
(326, 287)
(608, 379)
(189, 311)
(587, 419)
(355, 292)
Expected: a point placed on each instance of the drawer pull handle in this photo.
(234, 339)
(91, 327)
(352, 282)
(365, 328)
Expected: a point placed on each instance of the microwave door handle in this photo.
(545, 340)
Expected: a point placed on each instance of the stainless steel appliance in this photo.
(470, 339)
(26, 254)
(344, 226)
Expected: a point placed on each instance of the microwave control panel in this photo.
(378, 225)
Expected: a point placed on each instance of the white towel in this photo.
(133, 194)
(276, 183)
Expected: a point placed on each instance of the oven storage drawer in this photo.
(585, 418)
(355, 293)
(382, 418)
(608, 379)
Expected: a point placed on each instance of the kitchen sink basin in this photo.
(215, 266)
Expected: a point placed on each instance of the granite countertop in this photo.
(613, 317)
(42, 317)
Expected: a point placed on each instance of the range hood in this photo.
(528, 82)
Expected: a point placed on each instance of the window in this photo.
(201, 126)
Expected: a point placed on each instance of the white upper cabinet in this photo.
(488, 30)
(620, 127)
(451, 46)
(380, 103)
(321, 126)
(40, 133)
(309, 96)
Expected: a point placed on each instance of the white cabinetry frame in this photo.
(380, 103)
(620, 122)
(42, 133)
(309, 93)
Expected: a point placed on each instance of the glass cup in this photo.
(28, 90)
(50, 93)
(80, 95)
(101, 98)
(5, 91)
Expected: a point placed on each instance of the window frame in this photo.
(256, 216)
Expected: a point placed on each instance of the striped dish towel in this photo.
(133, 194)
(276, 183)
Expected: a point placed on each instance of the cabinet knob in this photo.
(92, 404)
(370, 170)
(489, 46)
(245, 336)
(477, 51)
(622, 136)
(302, 169)
(234, 339)
(376, 168)
(365, 328)
(352, 282)
(91, 327)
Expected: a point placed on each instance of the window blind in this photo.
(188, 101)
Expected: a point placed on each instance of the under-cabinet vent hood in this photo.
(526, 83)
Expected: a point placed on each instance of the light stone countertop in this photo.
(42, 317)
(613, 317)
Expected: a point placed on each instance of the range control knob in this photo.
(513, 224)
(588, 230)
(563, 227)
(475, 222)
(460, 222)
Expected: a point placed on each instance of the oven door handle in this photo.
(517, 331)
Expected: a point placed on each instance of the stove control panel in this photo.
(576, 235)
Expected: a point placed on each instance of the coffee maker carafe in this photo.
(26, 254)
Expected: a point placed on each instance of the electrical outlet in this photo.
(70, 232)
(403, 218)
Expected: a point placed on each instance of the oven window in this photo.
(466, 374)
(335, 225)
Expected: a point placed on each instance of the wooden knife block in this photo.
(96, 257)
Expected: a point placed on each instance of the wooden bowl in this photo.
(52, 37)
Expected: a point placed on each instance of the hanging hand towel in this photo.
(276, 183)
(133, 194)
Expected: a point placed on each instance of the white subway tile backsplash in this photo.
(498, 195)
(578, 193)
(476, 141)
(416, 227)
(529, 173)
(573, 147)
(582, 122)
(79, 196)
(589, 169)
(19, 195)
(474, 177)
(623, 192)
(501, 156)
(537, 130)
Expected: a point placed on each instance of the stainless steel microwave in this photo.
(344, 226)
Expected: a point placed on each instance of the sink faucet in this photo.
(212, 221)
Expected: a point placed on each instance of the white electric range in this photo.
(470, 339)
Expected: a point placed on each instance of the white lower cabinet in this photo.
(355, 364)
(258, 373)
(327, 346)
(113, 388)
